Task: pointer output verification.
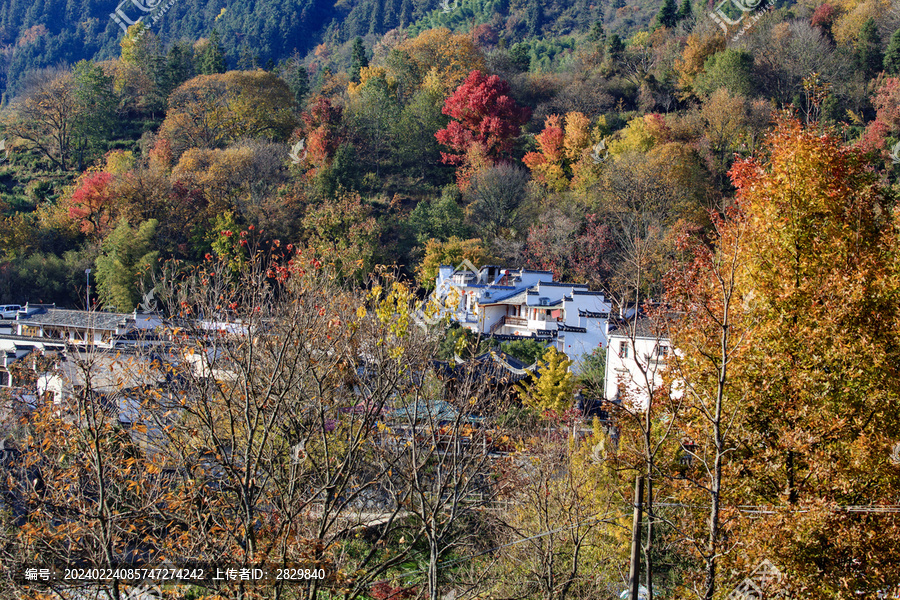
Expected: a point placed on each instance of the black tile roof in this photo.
(78, 319)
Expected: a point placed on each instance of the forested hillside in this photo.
(52, 32)
(736, 182)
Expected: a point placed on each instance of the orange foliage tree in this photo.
(92, 204)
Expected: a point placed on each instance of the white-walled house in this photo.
(509, 304)
(89, 328)
(636, 357)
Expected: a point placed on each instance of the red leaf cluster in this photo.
(483, 112)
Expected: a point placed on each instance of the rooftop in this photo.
(79, 319)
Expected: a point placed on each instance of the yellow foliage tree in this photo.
(451, 252)
(450, 56)
(551, 388)
(210, 111)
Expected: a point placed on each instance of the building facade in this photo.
(510, 304)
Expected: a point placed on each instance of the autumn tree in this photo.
(451, 252)
(343, 232)
(563, 152)
(210, 111)
(706, 391)
(822, 286)
(92, 203)
(552, 386)
(445, 56)
(46, 116)
(563, 527)
(483, 113)
(82, 481)
(574, 249)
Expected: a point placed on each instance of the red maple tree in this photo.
(91, 204)
(484, 114)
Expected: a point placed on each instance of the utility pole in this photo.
(634, 572)
(87, 306)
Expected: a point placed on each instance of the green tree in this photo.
(892, 55)
(528, 351)
(868, 49)
(93, 92)
(211, 59)
(421, 117)
(297, 78)
(179, 66)
(439, 219)
(667, 15)
(685, 10)
(552, 386)
(731, 69)
(615, 48)
(358, 59)
(126, 259)
(373, 112)
(520, 56)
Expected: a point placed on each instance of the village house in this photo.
(87, 328)
(636, 358)
(511, 304)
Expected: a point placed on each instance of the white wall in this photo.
(625, 371)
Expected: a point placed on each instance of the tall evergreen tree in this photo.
(179, 66)
(685, 10)
(212, 58)
(615, 48)
(534, 17)
(297, 79)
(598, 36)
(375, 22)
(668, 14)
(868, 49)
(358, 59)
(405, 13)
(892, 56)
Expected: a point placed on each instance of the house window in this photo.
(662, 352)
(623, 349)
